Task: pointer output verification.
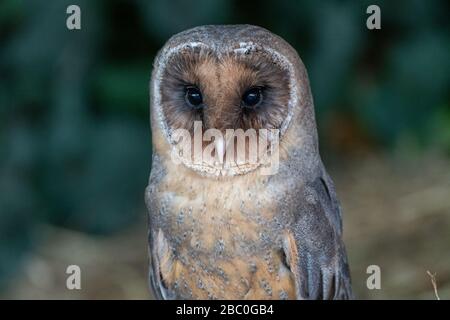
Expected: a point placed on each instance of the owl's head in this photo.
(224, 78)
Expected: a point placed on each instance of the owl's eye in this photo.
(252, 97)
(193, 97)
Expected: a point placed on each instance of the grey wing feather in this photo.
(155, 241)
(154, 279)
(322, 259)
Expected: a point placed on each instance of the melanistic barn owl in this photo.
(235, 229)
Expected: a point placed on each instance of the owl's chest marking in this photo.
(220, 240)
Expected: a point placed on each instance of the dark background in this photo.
(75, 144)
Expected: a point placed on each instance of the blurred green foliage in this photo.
(75, 143)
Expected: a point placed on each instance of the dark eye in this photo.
(193, 97)
(252, 97)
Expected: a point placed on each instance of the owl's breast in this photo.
(225, 240)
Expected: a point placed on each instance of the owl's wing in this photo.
(154, 274)
(161, 262)
(159, 253)
(314, 245)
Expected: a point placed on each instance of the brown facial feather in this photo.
(182, 71)
(223, 82)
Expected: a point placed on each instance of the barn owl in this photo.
(231, 229)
